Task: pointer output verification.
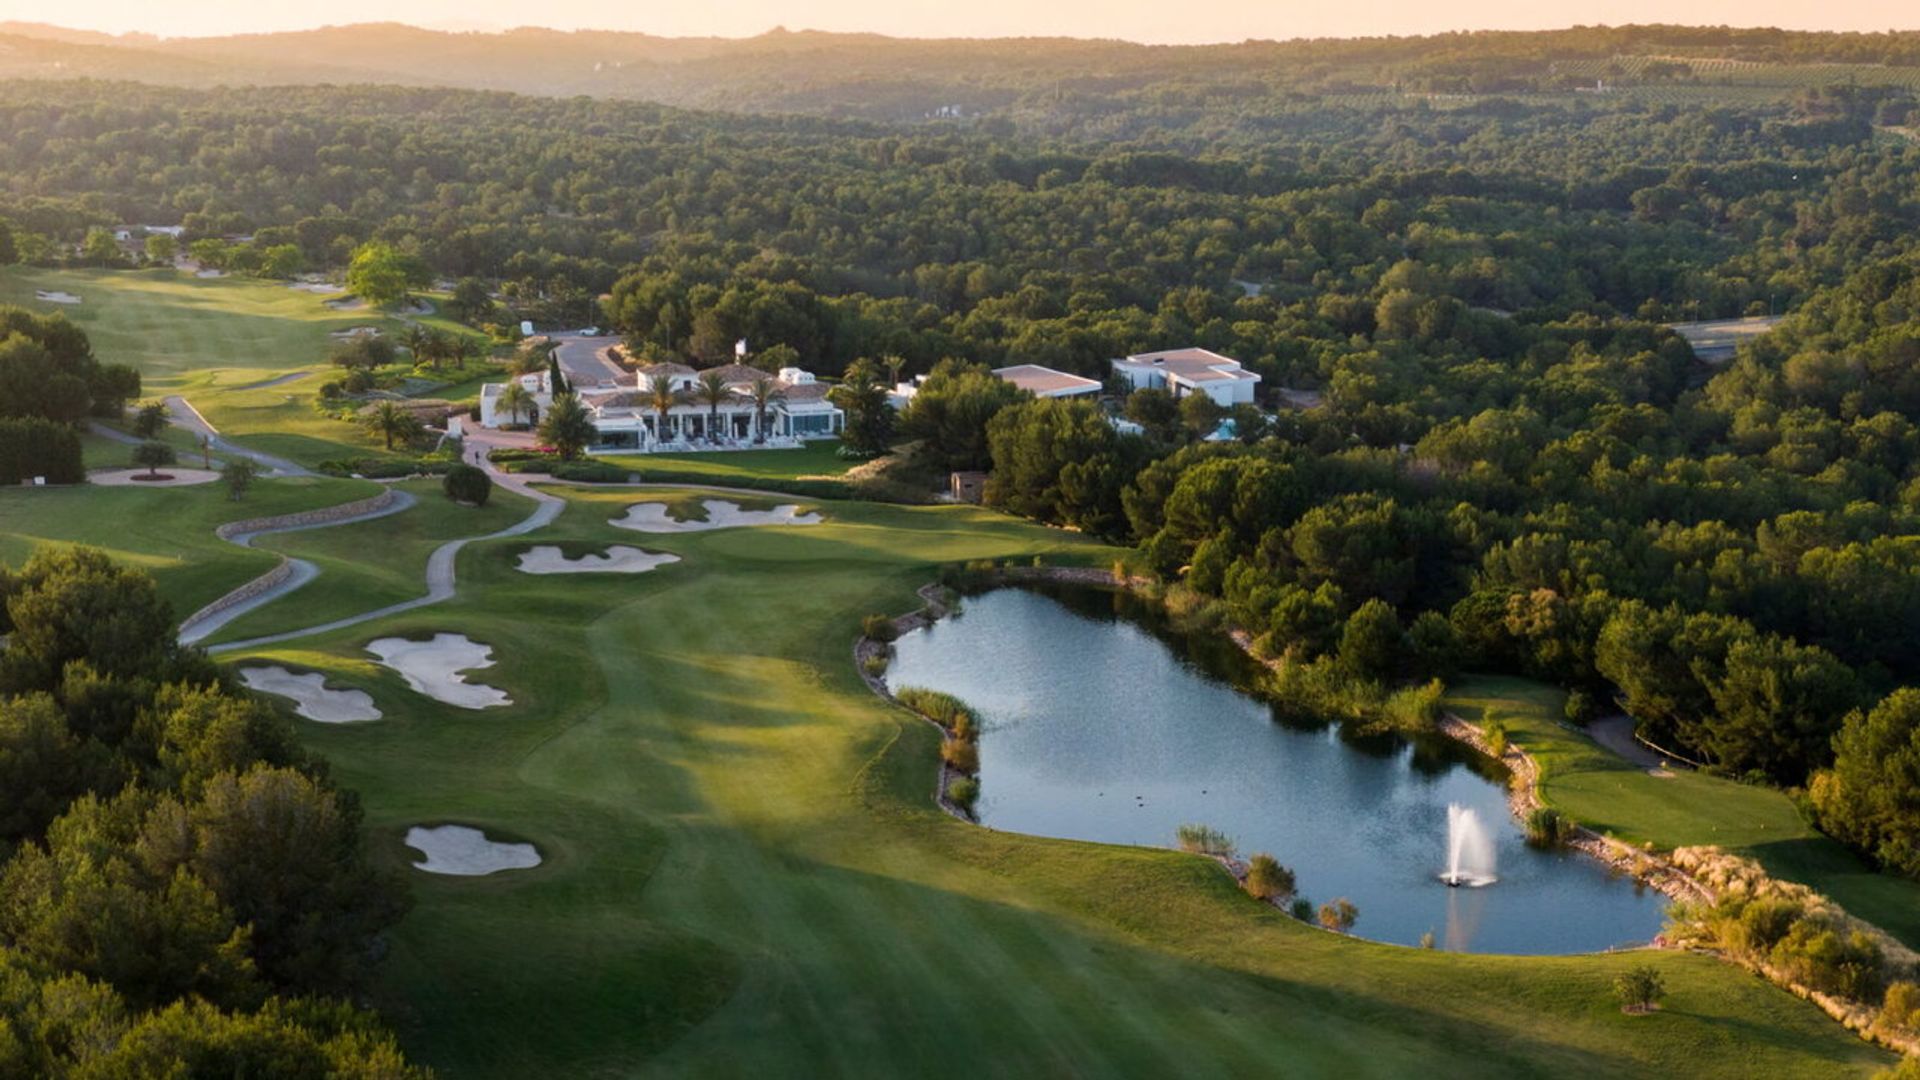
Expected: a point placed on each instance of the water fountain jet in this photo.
(1470, 859)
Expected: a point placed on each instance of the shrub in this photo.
(963, 755)
(1581, 709)
(238, 475)
(1338, 914)
(1301, 908)
(1640, 989)
(963, 793)
(1267, 879)
(875, 665)
(1495, 730)
(943, 709)
(1427, 940)
(1824, 956)
(878, 628)
(31, 446)
(1547, 827)
(1414, 708)
(1901, 1007)
(1203, 840)
(467, 484)
(590, 472)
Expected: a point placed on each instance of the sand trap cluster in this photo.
(459, 850)
(433, 668)
(618, 559)
(55, 296)
(352, 332)
(721, 514)
(321, 287)
(310, 695)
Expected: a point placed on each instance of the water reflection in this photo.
(1102, 723)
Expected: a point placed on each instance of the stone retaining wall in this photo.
(269, 580)
(323, 516)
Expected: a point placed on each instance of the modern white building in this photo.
(1046, 382)
(1190, 371)
(754, 408)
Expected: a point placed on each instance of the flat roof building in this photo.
(1046, 382)
(1190, 371)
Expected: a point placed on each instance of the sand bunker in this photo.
(210, 274)
(310, 695)
(352, 332)
(55, 296)
(619, 559)
(721, 514)
(459, 850)
(346, 303)
(321, 287)
(433, 668)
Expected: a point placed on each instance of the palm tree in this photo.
(391, 422)
(514, 399)
(468, 348)
(896, 366)
(417, 339)
(661, 398)
(711, 393)
(765, 392)
(567, 427)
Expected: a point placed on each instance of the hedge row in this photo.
(31, 446)
(387, 468)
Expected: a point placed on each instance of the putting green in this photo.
(743, 872)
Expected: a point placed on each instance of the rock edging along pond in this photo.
(1102, 722)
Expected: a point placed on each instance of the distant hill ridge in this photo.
(875, 77)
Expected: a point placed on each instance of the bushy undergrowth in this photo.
(1204, 840)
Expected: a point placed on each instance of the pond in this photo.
(1100, 722)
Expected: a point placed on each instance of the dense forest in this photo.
(1516, 467)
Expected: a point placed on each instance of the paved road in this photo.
(184, 415)
(1616, 734)
(582, 363)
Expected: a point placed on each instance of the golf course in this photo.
(741, 867)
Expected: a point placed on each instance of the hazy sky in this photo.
(1139, 20)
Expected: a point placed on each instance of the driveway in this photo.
(584, 362)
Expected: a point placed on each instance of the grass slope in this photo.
(350, 581)
(744, 874)
(214, 340)
(166, 531)
(1607, 793)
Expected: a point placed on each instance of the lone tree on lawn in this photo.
(150, 421)
(1640, 989)
(567, 427)
(153, 455)
(390, 422)
(468, 484)
(238, 475)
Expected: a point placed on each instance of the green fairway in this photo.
(744, 873)
(742, 467)
(166, 531)
(1596, 786)
(214, 341)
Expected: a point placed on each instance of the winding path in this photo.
(440, 565)
(183, 414)
(290, 575)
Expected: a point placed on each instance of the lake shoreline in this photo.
(937, 604)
